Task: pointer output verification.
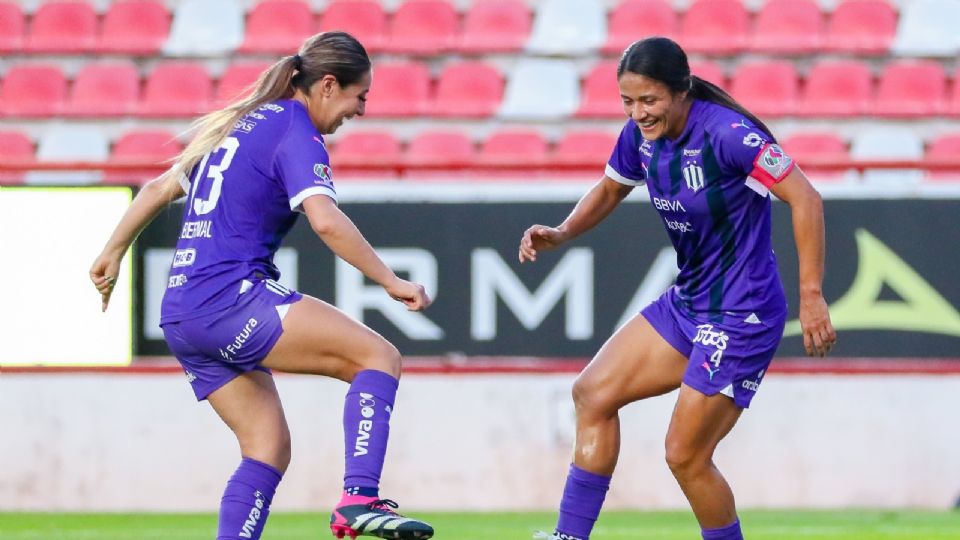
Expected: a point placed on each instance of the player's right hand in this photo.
(538, 238)
(104, 274)
(413, 295)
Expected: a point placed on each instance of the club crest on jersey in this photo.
(693, 174)
(323, 172)
(645, 148)
(753, 140)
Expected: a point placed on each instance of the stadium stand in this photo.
(63, 27)
(788, 27)
(468, 90)
(278, 27)
(177, 88)
(150, 145)
(512, 147)
(837, 88)
(401, 90)
(715, 27)
(809, 149)
(13, 26)
(495, 26)
(108, 89)
(424, 28)
(862, 27)
(14, 146)
(237, 79)
(135, 27)
(540, 89)
(911, 88)
(440, 148)
(378, 148)
(601, 95)
(888, 144)
(928, 28)
(587, 148)
(33, 91)
(63, 142)
(769, 88)
(205, 28)
(632, 19)
(364, 19)
(568, 27)
(944, 148)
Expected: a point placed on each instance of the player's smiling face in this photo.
(331, 104)
(656, 110)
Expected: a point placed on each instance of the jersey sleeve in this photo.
(743, 149)
(302, 164)
(625, 165)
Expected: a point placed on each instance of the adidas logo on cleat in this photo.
(376, 518)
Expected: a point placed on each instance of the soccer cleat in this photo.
(540, 535)
(369, 516)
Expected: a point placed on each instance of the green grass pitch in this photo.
(758, 525)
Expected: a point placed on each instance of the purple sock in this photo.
(246, 501)
(582, 498)
(730, 532)
(366, 427)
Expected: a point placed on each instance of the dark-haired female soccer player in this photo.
(247, 174)
(709, 166)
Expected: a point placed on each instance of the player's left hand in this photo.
(818, 333)
(104, 274)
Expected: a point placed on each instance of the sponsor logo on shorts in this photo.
(753, 386)
(176, 280)
(365, 426)
(256, 512)
(232, 349)
(184, 257)
(190, 376)
(712, 338)
(712, 372)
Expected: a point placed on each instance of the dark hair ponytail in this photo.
(661, 59)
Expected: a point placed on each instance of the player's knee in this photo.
(682, 458)
(385, 357)
(588, 399)
(274, 450)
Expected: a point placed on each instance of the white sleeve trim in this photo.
(614, 175)
(184, 183)
(757, 186)
(315, 190)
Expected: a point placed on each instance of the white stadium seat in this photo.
(205, 28)
(568, 27)
(70, 143)
(541, 89)
(928, 28)
(888, 144)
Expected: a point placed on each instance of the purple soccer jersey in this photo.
(242, 199)
(711, 188)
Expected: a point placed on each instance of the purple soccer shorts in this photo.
(728, 357)
(216, 348)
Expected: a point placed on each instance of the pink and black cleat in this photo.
(369, 516)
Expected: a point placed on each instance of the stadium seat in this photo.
(13, 27)
(63, 27)
(568, 27)
(715, 27)
(495, 26)
(601, 94)
(205, 28)
(237, 78)
(452, 149)
(710, 72)
(837, 88)
(953, 107)
(367, 149)
(944, 148)
(467, 90)
(888, 144)
(768, 88)
(911, 89)
(105, 89)
(399, 89)
(587, 148)
(527, 147)
(147, 145)
(14, 146)
(364, 19)
(541, 89)
(278, 27)
(788, 27)
(177, 89)
(70, 143)
(423, 27)
(33, 90)
(810, 148)
(928, 28)
(137, 27)
(861, 27)
(631, 20)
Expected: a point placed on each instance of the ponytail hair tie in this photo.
(297, 62)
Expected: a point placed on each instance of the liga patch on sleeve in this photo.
(772, 165)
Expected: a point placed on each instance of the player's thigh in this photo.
(250, 406)
(320, 339)
(699, 422)
(635, 363)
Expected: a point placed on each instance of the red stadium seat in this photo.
(423, 27)
(862, 27)
(636, 19)
(514, 147)
(15, 146)
(105, 89)
(716, 27)
(364, 19)
(399, 89)
(807, 149)
(766, 88)
(709, 71)
(601, 94)
(953, 107)
(911, 89)
(236, 80)
(33, 90)
(278, 27)
(177, 89)
(12, 27)
(495, 26)
(366, 148)
(468, 90)
(63, 27)
(137, 27)
(944, 148)
(587, 148)
(838, 88)
(452, 149)
(788, 27)
(153, 146)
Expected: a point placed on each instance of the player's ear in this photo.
(327, 84)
